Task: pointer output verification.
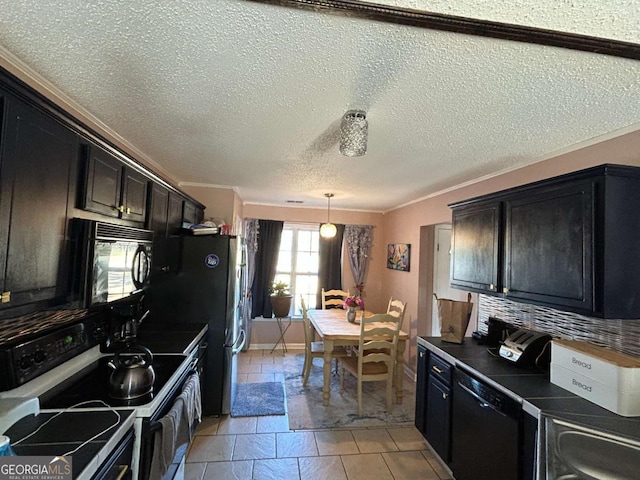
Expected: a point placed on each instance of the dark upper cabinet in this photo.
(38, 161)
(189, 212)
(548, 246)
(192, 213)
(167, 211)
(112, 188)
(570, 242)
(476, 243)
(174, 217)
(158, 209)
(134, 195)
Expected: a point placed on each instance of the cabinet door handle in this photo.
(444, 396)
(492, 287)
(122, 471)
(128, 211)
(436, 369)
(421, 354)
(5, 297)
(121, 208)
(505, 290)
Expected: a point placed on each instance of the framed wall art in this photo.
(398, 256)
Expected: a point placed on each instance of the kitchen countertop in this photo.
(531, 387)
(67, 431)
(174, 337)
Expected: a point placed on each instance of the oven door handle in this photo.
(235, 350)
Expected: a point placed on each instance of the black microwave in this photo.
(110, 261)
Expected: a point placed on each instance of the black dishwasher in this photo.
(485, 431)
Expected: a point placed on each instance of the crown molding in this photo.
(465, 25)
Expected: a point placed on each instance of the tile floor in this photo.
(262, 448)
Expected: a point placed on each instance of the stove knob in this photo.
(25, 362)
(39, 356)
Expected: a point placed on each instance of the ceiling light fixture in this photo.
(328, 230)
(353, 133)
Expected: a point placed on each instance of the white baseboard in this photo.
(268, 346)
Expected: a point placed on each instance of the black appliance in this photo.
(197, 279)
(55, 339)
(36, 343)
(92, 383)
(485, 431)
(497, 332)
(110, 261)
(527, 348)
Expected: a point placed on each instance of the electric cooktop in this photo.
(92, 383)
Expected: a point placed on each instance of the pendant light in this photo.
(328, 230)
(353, 133)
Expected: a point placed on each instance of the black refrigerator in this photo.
(198, 278)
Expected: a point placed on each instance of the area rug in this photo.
(305, 409)
(258, 399)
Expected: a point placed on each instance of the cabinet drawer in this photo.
(440, 369)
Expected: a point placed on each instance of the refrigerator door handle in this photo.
(239, 348)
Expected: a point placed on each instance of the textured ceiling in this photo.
(249, 95)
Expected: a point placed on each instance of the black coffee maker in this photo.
(126, 316)
(497, 332)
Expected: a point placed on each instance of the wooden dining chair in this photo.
(333, 298)
(375, 358)
(397, 308)
(314, 349)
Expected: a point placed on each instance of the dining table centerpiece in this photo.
(351, 304)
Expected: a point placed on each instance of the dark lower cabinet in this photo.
(433, 401)
(39, 158)
(421, 389)
(438, 418)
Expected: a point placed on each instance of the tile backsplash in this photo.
(620, 335)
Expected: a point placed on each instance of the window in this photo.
(298, 262)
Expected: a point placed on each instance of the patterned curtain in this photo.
(250, 239)
(358, 247)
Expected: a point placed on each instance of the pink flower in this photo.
(353, 302)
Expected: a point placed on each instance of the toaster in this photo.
(527, 348)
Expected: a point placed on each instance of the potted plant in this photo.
(280, 299)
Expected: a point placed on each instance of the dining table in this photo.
(334, 329)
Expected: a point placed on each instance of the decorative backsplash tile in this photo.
(620, 335)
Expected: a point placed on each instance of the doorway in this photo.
(441, 265)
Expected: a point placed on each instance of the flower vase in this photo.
(351, 315)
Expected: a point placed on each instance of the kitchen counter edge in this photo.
(566, 406)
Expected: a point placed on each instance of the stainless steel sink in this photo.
(575, 452)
